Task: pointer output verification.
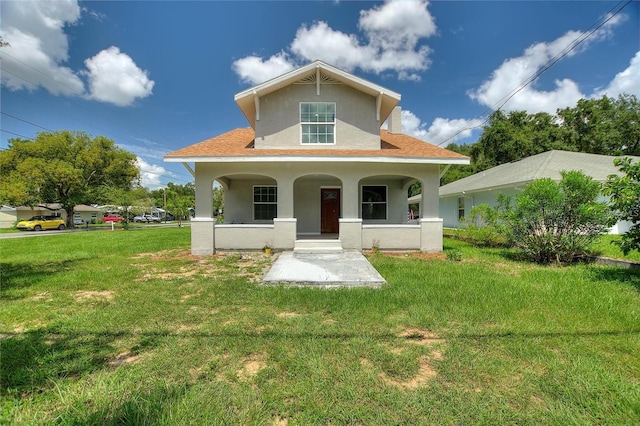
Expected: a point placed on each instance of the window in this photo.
(265, 202)
(460, 209)
(374, 202)
(318, 122)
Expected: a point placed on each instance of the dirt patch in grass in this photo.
(250, 266)
(425, 373)
(288, 315)
(280, 421)
(123, 358)
(420, 337)
(88, 295)
(416, 255)
(251, 366)
(44, 296)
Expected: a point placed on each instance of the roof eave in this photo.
(315, 159)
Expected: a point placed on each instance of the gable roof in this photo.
(238, 145)
(317, 72)
(546, 165)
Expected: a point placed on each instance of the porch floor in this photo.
(326, 270)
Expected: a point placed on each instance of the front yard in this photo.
(128, 328)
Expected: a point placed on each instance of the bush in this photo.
(625, 201)
(485, 227)
(556, 221)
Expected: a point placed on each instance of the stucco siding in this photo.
(279, 123)
(238, 200)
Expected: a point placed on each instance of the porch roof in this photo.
(238, 145)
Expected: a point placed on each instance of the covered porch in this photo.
(331, 206)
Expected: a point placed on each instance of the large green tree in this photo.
(603, 126)
(513, 136)
(65, 167)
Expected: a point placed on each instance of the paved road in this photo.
(27, 234)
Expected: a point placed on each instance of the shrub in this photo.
(556, 221)
(625, 201)
(485, 227)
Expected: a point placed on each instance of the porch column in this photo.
(350, 222)
(351, 233)
(203, 225)
(430, 221)
(285, 197)
(350, 197)
(284, 231)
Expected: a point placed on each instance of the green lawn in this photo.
(127, 328)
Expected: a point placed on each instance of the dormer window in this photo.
(318, 122)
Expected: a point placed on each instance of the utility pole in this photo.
(164, 190)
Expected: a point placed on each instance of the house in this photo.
(83, 214)
(9, 215)
(459, 197)
(315, 164)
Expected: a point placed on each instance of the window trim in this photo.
(332, 123)
(386, 202)
(254, 203)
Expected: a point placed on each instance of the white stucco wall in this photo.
(279, 123)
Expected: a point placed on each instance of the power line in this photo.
(564, 52)
(25, 121)
(16, 134)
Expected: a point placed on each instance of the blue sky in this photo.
(156, 76)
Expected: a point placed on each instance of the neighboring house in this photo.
(315, 164)
(10, 215)
(459, 197)
(83, 214)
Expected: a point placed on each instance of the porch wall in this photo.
(243, 236)
(391, 237)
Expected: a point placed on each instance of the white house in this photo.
(459, 197)
(315, 164)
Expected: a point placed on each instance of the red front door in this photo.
(330, 210)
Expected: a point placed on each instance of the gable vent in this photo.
(313, 78)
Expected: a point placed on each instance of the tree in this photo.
(556, 221)
(65, 167)
(513, 136)
(625, 200)
(604, 126)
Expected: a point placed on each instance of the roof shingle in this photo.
(240, 143)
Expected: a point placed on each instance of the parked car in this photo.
(146, 218)
(111, 217)
(38, 223)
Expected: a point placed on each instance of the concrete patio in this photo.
(323, 270)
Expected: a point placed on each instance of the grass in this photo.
(127, 328)
(605, 246)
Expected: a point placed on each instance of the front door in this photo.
(330, 210)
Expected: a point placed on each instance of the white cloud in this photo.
(440, 131)
(150, 174)
(115, 78)
(391, 34)
(39, 48)
(252, 69)
(627, 81)
(515, 71)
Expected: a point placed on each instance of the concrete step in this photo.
(318, 246)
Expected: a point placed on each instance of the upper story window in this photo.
(318, 122)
